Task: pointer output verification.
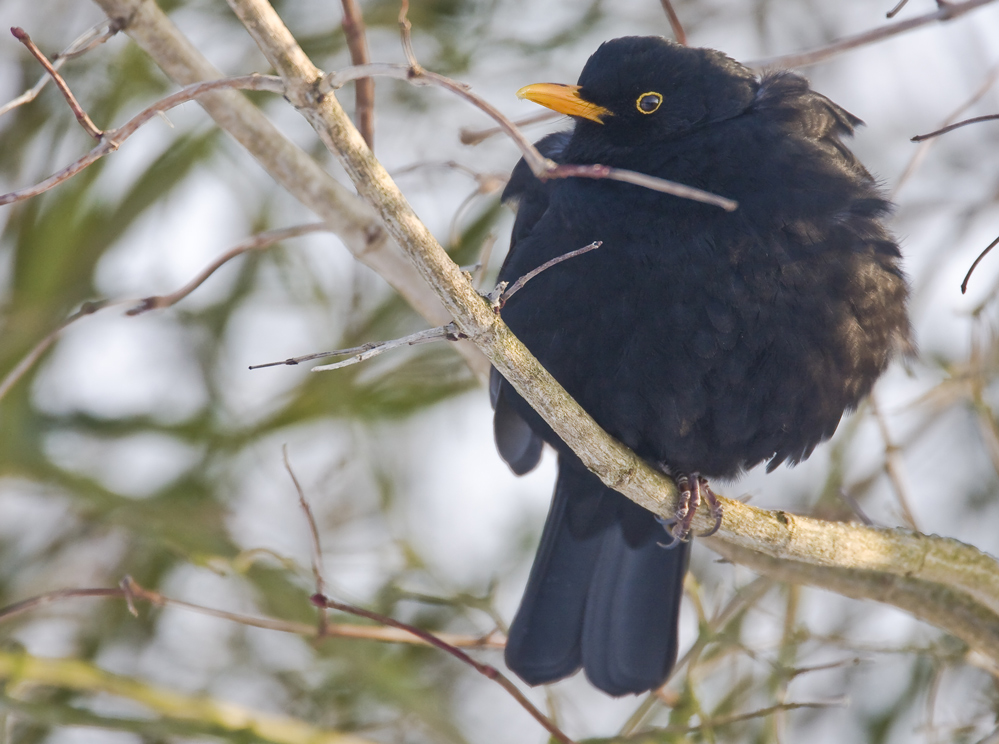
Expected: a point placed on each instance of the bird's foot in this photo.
(693, 489)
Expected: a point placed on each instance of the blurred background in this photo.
(144, 445)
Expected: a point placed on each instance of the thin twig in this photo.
(88, 308)
(855, 507)
(112, 139)
(81, 116)
(93, 37)
(156, 302)
(364, 89)
(475, 136)
(945, 11)
(486, 670)
(255, 243)
(541, 166)
(317, 551)
(894, 11)
(519, 284)
(893, 466)
(130, 589)
(924, 147)
(674, 22)
(366, 351)
(718, 722)
(744, 598)
(983, 254)
(406, 32)
(952, 127)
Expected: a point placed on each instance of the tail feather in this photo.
(602, 594)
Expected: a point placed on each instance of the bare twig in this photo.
(674, 22)
(364, 89)
(364, 352)
(719, 721)
(130, 589)
(924, 147)
(983, 254)
(952, 127)
(541, 166)
(519, 284)
(156, 302)
(855, 507)
(475, 136)
(486, 670)
(946, 11)
(88, 308)
(111, 139)
(93, 37)
(894, 11)
(317, 550)
(893, 465)
(406, 32)
(255, 243)
(81, 116)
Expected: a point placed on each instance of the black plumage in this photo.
(706, 341)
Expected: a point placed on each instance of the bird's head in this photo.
(640, 89)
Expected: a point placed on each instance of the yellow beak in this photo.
(565, 99)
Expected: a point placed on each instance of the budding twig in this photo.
(111, 139)
(93, 37)
(81, 116)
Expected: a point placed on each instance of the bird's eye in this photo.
(647, 103)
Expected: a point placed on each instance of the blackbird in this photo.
(707, 341)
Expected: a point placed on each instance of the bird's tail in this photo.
(602, 594)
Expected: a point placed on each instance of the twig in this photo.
(892, 465)
(366, 351)
(519, 284)
(855, 507)
(364, 89)
(88, 308)
(989, 247)
(486, 670)
(93, 37)
(541, 166)
(406, 32)
(744, 598)
(952, 127)
(894, 11)
(111, 139)
(923, 149)
(714, 723)
(156, 302)
(945, 11)
(255, 243)
(674, 22)
(129, 588)
(81, 116)
(317, 551)
(475, 136)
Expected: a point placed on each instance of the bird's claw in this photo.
(693, 488)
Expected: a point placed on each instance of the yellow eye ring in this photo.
(649, 102)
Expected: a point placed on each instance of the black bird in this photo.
(707, 341)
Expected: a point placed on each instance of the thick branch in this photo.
(920, 569)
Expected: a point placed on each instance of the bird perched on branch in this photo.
(707, 341)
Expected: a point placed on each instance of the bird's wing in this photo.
(518, 445)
